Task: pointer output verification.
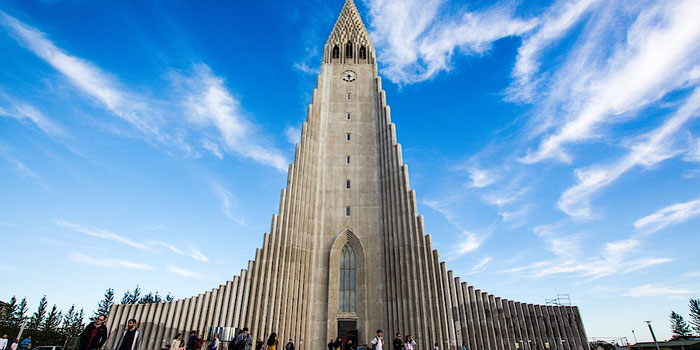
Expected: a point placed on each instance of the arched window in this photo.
(347, 280)
(348, 50)
(363, 53)
(336, 52)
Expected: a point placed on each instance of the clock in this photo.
(349, 75)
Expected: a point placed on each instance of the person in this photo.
(14, 344)
(131, 338)
(398, 343)
(331, 345)
(260, 344)
(272, 341)
(338, 345)
(26, 344)
(3, 342)
(243, 341)
(194, 342)
(436, 347)
(289, 346)
(464, 346)
(94, 335)
(378, 341)
(410, 344)
(215, 343)
(349, 345)
(363, 347)
(177, 342)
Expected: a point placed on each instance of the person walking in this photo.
(177, 342)
(398, 343)
(410, 344)
(26, 344)
(194, 342)
(94, 335)
(3, 342)
(272, 341)
(289, 346)
(378, 341)
(131, 338)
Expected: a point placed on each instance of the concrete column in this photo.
(483, 324)
(505, 338)
(491, 325)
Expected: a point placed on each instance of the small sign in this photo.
(546, 345)
(517, 346)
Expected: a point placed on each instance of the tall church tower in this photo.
(348, 254)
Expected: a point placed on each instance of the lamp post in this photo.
(652, 335)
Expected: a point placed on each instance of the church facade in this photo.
(348, 254)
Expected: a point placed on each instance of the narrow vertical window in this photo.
(348, 50)
(336, 52)
(347, 280)
(347, 211)
(348, 136)
(348, 115)
(349, 94)
(347, 160)
(363, 52)
(347, 183)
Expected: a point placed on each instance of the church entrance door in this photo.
(347, 330)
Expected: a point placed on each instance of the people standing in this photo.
(243, 340)
(94, 335)
(289, 346)
(177, 342)
(378, 341)
(331, 345)
(338, 345)
(215, 343)
(272, 341)
(14, 344)
(410, 344)
(3, 342)
(131, 338)
(26, 344)
(398, 343)
(194, 342)
(260, 344)
(349, 345)
(436, 347)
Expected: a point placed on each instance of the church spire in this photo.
(349, 41)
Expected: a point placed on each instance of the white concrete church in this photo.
(348, 254)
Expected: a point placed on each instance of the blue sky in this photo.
(554, 145)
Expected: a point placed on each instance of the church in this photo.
(347, 254)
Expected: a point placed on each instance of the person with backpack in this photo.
(272, 341)
(242, 341)
(289, 346)
(378, 341)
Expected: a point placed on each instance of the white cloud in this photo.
(24, 111)
(480, 266)
(655, 290)
(100, 233)
(470, 243)
(197, 254)
(293, 134)
(213, 148)
(659, 54)
(416, 41)
(183, 272)
(107, 263)
(673, 214)
(208, 103)
(693, 154)
(168, 246)
(654, 147)
(228, 201)
(481, 177)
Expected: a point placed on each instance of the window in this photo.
(347, 279)
(363, 53)
(347, 211)
(347, 160)
(348, 115)
(348, 50)
(336, 52)
(347, 183)
(349, 94)
(348, 136)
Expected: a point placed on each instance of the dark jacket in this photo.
(93, 337)
(193, 343)
(135, 344)
(289, 346)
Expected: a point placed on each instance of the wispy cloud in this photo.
(481, 177)
(469, 241)
(673, 214)
(653, 147)
(184, 272)
(100, 233)
(228, 201)
(107, 263)
(655, 290)
(417, 41)
(480, 266)
(657, 58)
(292, 134)
(168, 246)
(197, 254)
(24, 111)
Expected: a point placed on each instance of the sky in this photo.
(554, 145)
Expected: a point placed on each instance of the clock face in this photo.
(349, 75)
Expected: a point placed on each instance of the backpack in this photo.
(239, 343)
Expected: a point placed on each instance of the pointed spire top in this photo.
(349, 29)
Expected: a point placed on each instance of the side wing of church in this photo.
(348, 254)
